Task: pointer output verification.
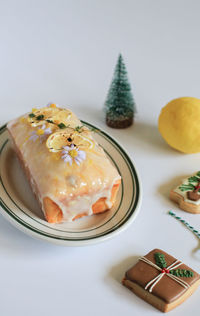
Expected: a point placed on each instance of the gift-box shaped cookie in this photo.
(161, 280)
(187, 194)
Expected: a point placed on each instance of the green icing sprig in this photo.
(192, 182)
(160, 260)
(182, 273)
(193, 179)
(187, 187)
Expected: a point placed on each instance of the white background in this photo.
(65, 52)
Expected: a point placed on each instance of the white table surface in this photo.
(65, 52)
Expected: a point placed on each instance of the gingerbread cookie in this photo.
(161, 280)
(187, 195)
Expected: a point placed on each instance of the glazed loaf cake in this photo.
(68, 171)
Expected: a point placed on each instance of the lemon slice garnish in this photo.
(61, 117)
(50, 115)
(58, 140)
(82, 142)
(39, 116)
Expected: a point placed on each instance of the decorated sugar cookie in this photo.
(187, 194)
(161, 280)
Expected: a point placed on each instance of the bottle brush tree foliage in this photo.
(119, 105)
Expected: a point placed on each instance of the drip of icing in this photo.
(82, 204)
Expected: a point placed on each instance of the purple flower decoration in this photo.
(40, 133)
(72, 153)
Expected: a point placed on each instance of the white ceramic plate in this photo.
(19, 206)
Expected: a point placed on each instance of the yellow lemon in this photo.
(58, 140)
(179, 124)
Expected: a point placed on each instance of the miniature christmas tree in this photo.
(119, 105)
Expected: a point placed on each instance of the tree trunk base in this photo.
(121, 123)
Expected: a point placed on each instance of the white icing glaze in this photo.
(184, 194)
(83, 204)
(73, 188)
